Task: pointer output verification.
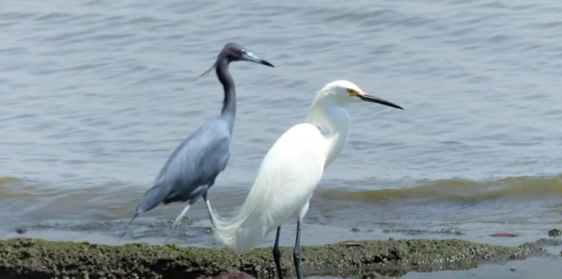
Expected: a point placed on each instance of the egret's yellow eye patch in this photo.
(351, 92)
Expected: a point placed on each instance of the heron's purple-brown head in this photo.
(235, 52)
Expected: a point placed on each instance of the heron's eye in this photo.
(351, 92)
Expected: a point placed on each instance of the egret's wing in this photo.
(288, 175)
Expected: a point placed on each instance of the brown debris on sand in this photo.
(39, 259)
(504, 234)
(231, 275)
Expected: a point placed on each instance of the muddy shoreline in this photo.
(40, 259)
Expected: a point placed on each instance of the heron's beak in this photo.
(248, 56)
(377, 100)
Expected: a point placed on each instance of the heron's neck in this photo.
(229, 104)
(335, 118)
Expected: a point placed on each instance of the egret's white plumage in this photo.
(282, 189)
(293, 168)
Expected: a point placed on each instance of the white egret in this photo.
(290, 172)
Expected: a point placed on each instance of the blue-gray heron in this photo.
(193, 167)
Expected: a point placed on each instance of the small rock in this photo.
(209, 230)
(451, 231)
(353, 244)
(504, 234)
(554, 233)
(231, 275)
(560, 254)
(512, 269)
(354, 230)
(21, 230)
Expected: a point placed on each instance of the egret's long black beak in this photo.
(248, 56)
(377, 100)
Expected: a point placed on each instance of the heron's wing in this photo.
(195, 163)
(201, 155)
(287, 176)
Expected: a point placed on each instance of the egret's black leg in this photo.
(297, 251)
(277, 254)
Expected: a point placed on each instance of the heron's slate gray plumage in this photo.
(193, 167)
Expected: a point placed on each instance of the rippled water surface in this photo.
(95, 95)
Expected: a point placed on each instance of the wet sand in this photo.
(34, 258)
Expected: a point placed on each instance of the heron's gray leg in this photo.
(277, 254)
(297, 252)
(208, 203)
(178, 221)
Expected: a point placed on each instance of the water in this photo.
(95, 95)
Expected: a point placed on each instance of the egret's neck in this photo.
(229, 104)
(328, 113)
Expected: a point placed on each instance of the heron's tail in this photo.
(127, 227)
(153, 197)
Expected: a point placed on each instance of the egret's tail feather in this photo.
(251, 222)
(241, 234)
